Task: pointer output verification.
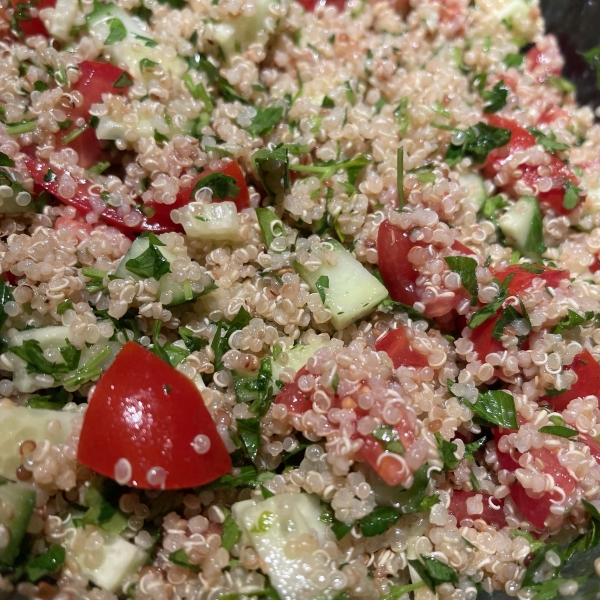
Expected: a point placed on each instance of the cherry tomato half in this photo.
(147, 426)
(397, 346)
(493, 508)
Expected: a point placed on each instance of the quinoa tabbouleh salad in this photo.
(299, 301)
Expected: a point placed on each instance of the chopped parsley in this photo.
(479, 141)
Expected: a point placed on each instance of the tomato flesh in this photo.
(397, 346)
(522, 279)
(95, 80)
(535, 510)
(33, 25)
(296, 401)
(592, 443)
(151, 421)
(398, 274)
(587, 384)
(388, 467)
(483, 342)
(493, 508)
(241, 201)
(522, 139)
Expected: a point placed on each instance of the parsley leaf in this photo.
(489, 310)
(559, 430)
(157, 349)
(5, 161)
(43, 564)
(124, 80)
(479, 141)
(495, 98)
(471, 448)
(70, 355)
(151, 262)
(572, 320)
(220, 343)
(265, 120)
(495, 406)
(447, 450)
(433, 572)
(592, 57)
(192, 342)
(6, 295)
(326, 170)
(548, 142)
(272, 167)
(508, 316)
(377, 522)
(514, 60)
(465, 267)
(221, 186)
(322, 284)
(249, 432)
(571, 199)
(231, 533)
(270, 225)
(388, 437)
(117, 32)
(180, 557)
(31, 352)
(411, 312)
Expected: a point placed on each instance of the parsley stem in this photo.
(397, 591)
(67, 139)
(22, 127)
(198, 92)
(99, 168)
(89, 370)
(400, 176)
(93, 273)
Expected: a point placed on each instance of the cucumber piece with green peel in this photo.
(120, 561)
(218, 221)
(522, 226)
(273, 525)
(17, 502)
(476, 195)
(350, 291)
(19, 423)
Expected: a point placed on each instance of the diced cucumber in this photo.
(135, 46)
(218, 221)
(178, 292)
(139, 246)
(120, 560)
(352, 291)
(271, 526)
(52, 337)
(17, 502)
(235, 34)
(9, 205)
(473, 183)
(109, 129)
(522, 226)
(298, 356)
(63, 19)
(19, 423)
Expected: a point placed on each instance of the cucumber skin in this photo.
(21, 500)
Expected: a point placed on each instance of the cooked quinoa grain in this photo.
(298, 301)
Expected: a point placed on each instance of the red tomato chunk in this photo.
(397, 345)
(493, 508)
(147, 426)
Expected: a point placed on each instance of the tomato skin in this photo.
(397, 346)
(587, 384)
(483, 341)
(398, 274)
(230, 168)
(151, 420)
(490, 514)
(388, 468)
(95, 80)
(34, 25)
(535, 510)
(296, 401)
(522, 139)
(523, 279)
(82, 200)
(311, 5)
